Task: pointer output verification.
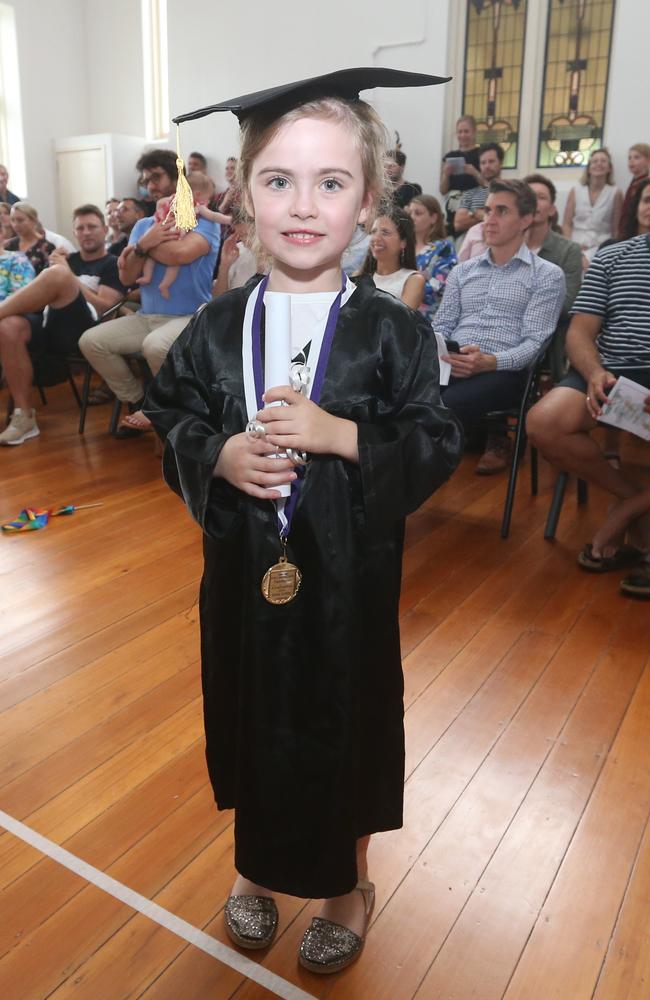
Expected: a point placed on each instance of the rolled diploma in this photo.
(277, 351)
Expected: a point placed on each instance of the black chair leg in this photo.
(85, 393)
(582, 491)
(534, 480)
(41, 392)
(73, 384)
(518, 451)
(556, 505)
(115, 416)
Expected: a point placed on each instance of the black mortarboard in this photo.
(344, 83)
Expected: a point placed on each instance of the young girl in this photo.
(390, 260)
(303, 684)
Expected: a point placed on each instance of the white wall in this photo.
(54, 98)
(628, 113)
(114, 71)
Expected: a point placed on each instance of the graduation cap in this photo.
(275, 101)
(344, 83)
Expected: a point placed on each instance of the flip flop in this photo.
(637, 584)
(623, 558)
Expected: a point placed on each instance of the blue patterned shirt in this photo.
(508, 310)
(15, 272)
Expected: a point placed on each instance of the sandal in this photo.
(102, 394)
(637, 584)
(623, 558)
(329, 947)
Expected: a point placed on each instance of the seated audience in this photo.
(609, 336)
(500, 308)
(638, 163)
(29, 237)
(238, 262)
(403, 191)
(435, 255)
(58, 241)
(197, 163)
(112, 221)
(77, 289)
(473, 244)
(637, 220)
(453, 183)
(160, 320)
(15, 272)
(202, 189)
(228, 201)
(390, 261)
(6, 229)
(471, 206)
(551, 245)
(593, 208)
(5, 194)
(129, 211)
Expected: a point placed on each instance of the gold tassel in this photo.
(182, 206)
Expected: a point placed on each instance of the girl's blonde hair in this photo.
(610, 173)
(363, 123)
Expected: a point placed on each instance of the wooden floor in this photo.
(523, 868)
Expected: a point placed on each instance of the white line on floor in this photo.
(182, 929)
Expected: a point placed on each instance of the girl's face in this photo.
(643, 211)
(385, 243)
(306, 194)
(637, 163)
(23, 225)
(599, 165)
(423, 220)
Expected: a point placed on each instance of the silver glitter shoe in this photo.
(329, 947)
(251, 921)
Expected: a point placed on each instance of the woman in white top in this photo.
(390, 261)
(593, 208)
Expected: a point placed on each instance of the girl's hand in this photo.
(303, 426)
(245, 464)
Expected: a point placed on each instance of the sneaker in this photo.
(22, 427)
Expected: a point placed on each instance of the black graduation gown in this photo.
(303, 702)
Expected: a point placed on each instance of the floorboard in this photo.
(522, 871)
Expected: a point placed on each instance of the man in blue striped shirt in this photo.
(500, 308)
(609, 336)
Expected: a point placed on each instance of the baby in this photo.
(202, 189)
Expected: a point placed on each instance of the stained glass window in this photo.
(578, 39)
(494, 57)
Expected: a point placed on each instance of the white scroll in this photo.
(277, 350)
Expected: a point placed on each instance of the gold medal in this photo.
(281, 582)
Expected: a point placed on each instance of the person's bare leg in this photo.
(169, 277)
(560, 426)
(349, 910)
(56, 286)
(15, 333)
(631, 515)
(244, 887)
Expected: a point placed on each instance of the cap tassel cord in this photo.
(182, 206)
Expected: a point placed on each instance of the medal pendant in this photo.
(281, 582)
